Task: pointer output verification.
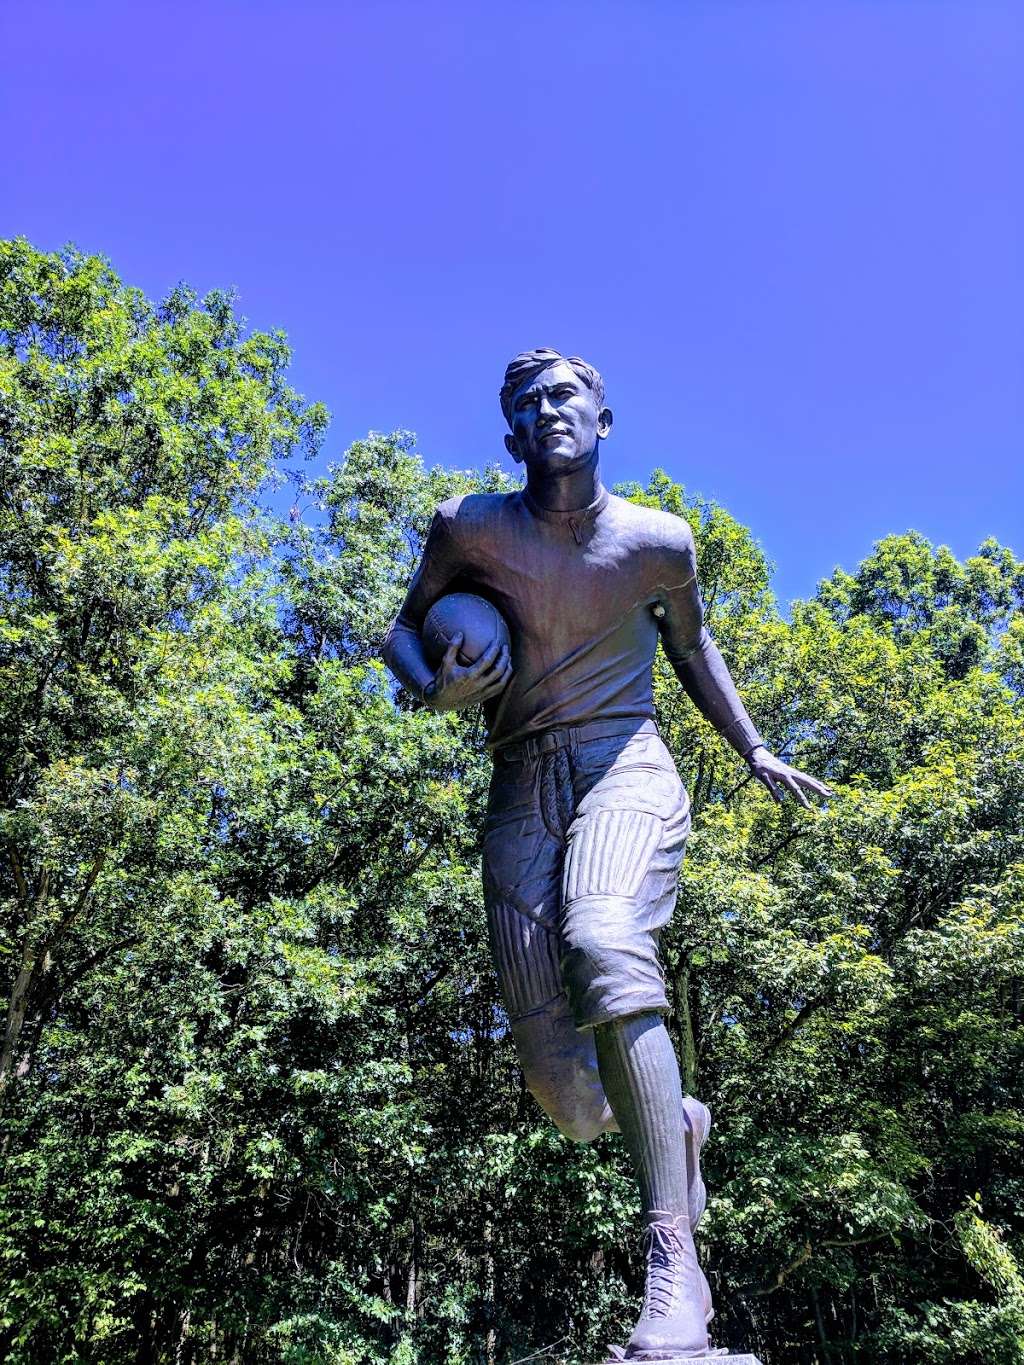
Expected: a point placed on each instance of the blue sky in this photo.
(789, 234)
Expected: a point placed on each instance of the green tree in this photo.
(132, 439)
(259, 1101)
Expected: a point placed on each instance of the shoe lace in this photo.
(664, 1251)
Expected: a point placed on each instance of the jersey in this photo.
(586, 595)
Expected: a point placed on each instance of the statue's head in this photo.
(554, 405)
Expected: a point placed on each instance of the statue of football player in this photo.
(587, 817)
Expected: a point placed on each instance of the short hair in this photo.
(528, 364)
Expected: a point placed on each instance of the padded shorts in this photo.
(586, 828)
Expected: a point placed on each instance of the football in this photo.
(479, 623)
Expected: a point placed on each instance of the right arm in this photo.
(452, 687)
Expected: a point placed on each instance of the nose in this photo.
(546, 409)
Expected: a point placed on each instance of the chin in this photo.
(560, 461)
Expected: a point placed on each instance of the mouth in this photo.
(555, 435)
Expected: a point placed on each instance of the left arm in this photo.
(699, 666)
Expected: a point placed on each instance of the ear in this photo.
(512, 446)
(604, 423)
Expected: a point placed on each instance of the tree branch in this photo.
(772, 854)
(806, 1252)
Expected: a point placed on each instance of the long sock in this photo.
(640, 1075)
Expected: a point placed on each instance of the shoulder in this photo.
(652, 529)
(468, 508)
(462, 517)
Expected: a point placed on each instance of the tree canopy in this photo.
(258, 1099)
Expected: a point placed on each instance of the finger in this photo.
(794, 786)
(499, 664)
(500, 681)
(811, 783)
(766, 779)
(500, 676)
(481, 665)
(451, 654)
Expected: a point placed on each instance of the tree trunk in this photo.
(689, 1039)
(826, 1350)
(491, 1339)
(180, 1356)
(36, 954)
(16, 1012)
(412, 1285)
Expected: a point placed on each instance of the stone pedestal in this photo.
(681, 1360)
(719, 1359)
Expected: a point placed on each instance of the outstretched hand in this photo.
(780, 778)
(456, 686)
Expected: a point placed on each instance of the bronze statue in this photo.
(587, 818)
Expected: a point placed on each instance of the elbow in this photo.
(389, 647)
(686, 652)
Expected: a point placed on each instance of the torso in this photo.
(578, 603)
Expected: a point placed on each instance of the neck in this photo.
(566, 492)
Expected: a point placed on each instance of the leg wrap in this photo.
(640, 1076)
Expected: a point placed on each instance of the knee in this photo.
(589, 950)
(581, 1117)
(578, 1131)
(579, 1123)
(560, 1068)
(610, 965)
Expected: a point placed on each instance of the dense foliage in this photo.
(258, 1100)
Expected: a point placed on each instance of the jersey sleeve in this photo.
(439, 566)
(682, 624)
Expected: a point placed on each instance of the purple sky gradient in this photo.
(789, 234)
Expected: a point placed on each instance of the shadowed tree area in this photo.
(258, 1101)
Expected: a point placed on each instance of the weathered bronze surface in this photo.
(587, 818)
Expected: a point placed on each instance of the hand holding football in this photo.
(467, 640)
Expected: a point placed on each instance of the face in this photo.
(556, 424)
